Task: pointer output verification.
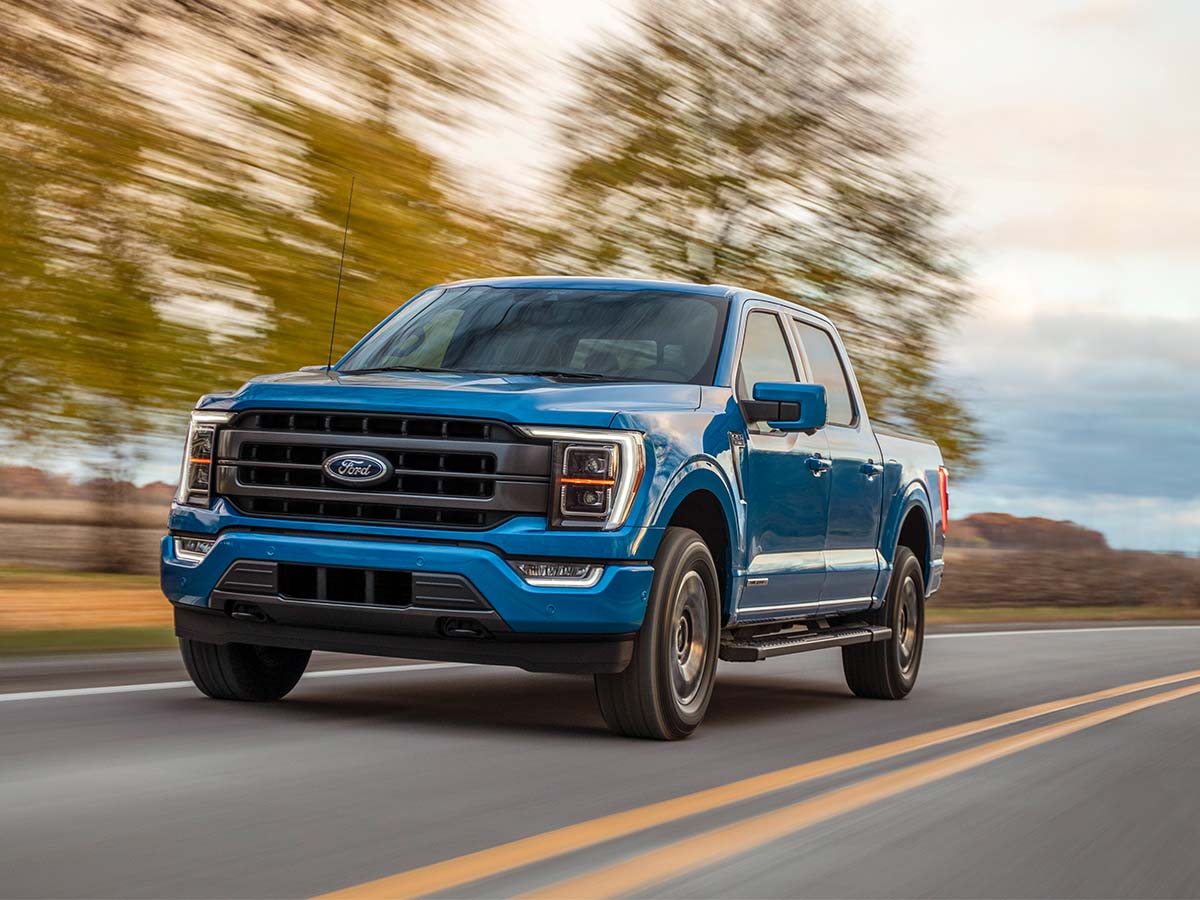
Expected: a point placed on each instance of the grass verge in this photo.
(41, 642)
(15, 577)
(981, 615)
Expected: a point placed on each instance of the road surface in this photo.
(154, 791)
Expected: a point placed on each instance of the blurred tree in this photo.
(407, 230)
(162, 241)
(174, 208)
(756, 142)
(174, 179)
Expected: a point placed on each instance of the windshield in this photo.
(644, 335)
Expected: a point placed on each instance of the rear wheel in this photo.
(243, 671)
(887, 670)
(665, 691)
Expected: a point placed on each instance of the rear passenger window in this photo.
(765, 354)
(827, 370)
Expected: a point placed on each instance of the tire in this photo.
(887, 670)
(665, 691)
(243, 671)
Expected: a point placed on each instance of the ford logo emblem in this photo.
(357, 468)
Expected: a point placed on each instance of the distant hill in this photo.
(1000, 531)
(28, 483)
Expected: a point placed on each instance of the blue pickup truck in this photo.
(627, 479)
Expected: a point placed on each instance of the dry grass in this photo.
(996, 615)
(1065, 579)
(39, 601)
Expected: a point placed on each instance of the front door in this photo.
(856, 480)
(787, 496)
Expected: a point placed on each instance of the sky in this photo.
(1069, 132)
(1066, 133)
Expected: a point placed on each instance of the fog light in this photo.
(556, 574)
(192, 549)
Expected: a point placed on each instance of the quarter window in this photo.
(827, 369)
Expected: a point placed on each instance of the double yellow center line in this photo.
(661, 864)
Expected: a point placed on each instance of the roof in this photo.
(601, 284)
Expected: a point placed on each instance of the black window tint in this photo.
(765, 355)
(635, 335)
(827, 370)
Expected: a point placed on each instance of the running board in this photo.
(765, 646)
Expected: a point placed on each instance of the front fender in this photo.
(701, 474)
(704, 474)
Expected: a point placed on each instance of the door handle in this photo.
(818, 464)
(871, 469)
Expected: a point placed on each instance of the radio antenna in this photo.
(341, 266)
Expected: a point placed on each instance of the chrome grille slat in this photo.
(399, 470)
(510, 457)
(519, 496)
(270, 463)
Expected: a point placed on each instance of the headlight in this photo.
(596, 475)
(195, 475)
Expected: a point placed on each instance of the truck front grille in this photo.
(247, 579)
(461, 473)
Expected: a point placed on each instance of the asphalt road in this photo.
(362, 776)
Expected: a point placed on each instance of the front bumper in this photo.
(613, 606)
(559, 653)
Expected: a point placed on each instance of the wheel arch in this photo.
(700, 499)
(912, 526)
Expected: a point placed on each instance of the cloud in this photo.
(1096, 14)
(1090, 416)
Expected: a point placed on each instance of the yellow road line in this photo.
(460, 870)
(691, 854)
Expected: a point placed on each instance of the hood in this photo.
(520, 399)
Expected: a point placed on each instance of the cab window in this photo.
(765, 354)
(827, 369)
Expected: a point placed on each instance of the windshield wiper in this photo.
(554, 373)
(377, 369)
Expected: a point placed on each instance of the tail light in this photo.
(944, 493)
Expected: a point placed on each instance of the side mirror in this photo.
(788, 406)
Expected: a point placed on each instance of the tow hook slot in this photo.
(248, 612)
(462, 628)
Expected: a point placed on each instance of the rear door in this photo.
(852, 558)
(787, 502)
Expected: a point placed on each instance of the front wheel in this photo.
(243, 671)
(664, 692)
(887, 670)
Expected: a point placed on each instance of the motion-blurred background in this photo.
(996, 204)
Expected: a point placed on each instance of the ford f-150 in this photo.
(628, 479)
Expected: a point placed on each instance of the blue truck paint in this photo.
(810, 521)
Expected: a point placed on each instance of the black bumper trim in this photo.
(570, 654)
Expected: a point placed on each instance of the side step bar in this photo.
(753, 649)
